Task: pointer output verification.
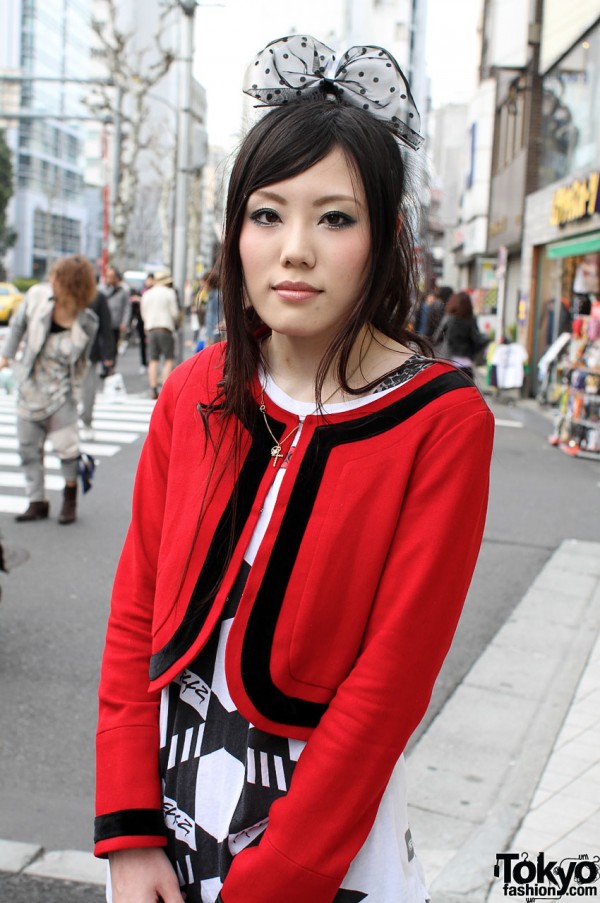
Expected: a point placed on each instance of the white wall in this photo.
(506, 31)
(476, 197)
(564, 22)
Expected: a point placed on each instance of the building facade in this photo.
(47, 44)
(561, 237)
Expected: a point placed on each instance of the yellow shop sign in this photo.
(576, 201)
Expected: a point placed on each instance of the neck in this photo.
(65, 313)
(294, 363)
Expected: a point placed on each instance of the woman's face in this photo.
(305, 248)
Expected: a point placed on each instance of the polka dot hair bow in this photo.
(367, 77)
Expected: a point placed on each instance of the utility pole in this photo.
(183, 148)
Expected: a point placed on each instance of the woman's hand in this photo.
(4, 362)
(143, 876)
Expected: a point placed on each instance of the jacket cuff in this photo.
(130, 827)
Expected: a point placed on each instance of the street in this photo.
(55, 604)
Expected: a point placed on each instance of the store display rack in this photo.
(577, 425)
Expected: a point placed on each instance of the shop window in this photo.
(570, 129)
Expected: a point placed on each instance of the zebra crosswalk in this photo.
(116, 424)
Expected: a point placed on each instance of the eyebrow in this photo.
(326, 199)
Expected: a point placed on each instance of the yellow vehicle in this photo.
(10, 298)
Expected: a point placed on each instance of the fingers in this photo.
(143, 876)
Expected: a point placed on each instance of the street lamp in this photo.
(183, 147)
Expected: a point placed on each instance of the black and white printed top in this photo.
(220, 774)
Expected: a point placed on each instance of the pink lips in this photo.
(295, 291)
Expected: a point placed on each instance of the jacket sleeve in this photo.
(478, 340)
(124, 306)
(318, 828)
(107, 339)
(128, 796)
(18, 327)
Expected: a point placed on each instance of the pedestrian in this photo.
(117, 296)
(160, 313)
(458, 338)
(57, 327)
(102, 353)
(136, 317)
(435, 309)
(422, 312)
(213, 322)
(288, 588)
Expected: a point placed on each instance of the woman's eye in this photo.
(265, 217)
(337, 220)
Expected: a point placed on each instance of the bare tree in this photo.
(144, 236)
(163, 162)
(134, 71)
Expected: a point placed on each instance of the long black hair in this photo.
(287, 141)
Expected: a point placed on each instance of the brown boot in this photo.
(36, 511)
(69, 506)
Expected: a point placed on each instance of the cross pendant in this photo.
(275, 454)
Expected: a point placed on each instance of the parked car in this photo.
(10, 298)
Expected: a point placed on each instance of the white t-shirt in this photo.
(509, 361)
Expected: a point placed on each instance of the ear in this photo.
(399, 223)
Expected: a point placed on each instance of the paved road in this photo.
(55, 606)
(22, 889)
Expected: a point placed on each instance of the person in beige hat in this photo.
(160, 313)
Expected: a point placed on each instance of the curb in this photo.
(473, 775)
(61, 865)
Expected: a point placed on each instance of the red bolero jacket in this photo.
(347, 615)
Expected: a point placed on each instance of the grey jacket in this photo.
(117, 297)
(32, 322)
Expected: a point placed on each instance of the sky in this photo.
(228, 36)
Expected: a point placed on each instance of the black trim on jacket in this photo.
(239, 505)
(130, 823)
(271, 702)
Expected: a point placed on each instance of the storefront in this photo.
(559, 317)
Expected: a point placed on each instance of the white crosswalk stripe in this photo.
(115, 425)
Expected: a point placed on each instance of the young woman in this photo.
(285, 597)
(58, 330)
(460, 337)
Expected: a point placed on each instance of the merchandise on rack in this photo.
(577, 426)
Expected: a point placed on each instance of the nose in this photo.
(297, 248)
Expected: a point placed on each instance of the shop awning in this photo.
(574, 247)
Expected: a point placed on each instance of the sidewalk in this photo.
(512, 763)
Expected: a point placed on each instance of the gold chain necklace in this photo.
(276, 449)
